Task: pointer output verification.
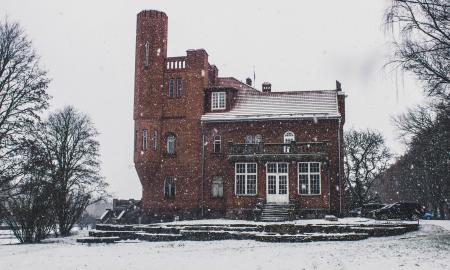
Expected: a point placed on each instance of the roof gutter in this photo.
(336, 117)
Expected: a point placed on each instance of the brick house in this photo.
(210, 146)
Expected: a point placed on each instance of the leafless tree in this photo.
(29, 214)
(366, 157)
(69, 141)
(421, 32)
(23, 96)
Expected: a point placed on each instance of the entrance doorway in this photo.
(277, 182)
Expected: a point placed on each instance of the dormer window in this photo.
(218, 101)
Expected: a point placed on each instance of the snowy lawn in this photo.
(428, 248)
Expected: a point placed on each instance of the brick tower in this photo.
(168, 105)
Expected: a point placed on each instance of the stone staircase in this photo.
(275, 212)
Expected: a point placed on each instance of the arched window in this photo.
(258, 138)
(144, 139)
(248, 139)
(289, 137)
(146, 54)
(169, 187)
(171, 144)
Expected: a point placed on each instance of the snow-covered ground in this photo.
(428, 248)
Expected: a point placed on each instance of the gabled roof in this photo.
(251, 104)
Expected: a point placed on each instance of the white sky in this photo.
(88, 49)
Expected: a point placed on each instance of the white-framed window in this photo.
(245, 178)
(217, 144)
(179, 87)
(248, 139)
(146, 54)
(218, 100)
(171, 144)
(217, 187)
(144, 139)
(277, 171)
(169, 187)
(309, 178)
(289, 137)
(154, 140)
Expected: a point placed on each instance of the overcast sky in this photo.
(88, 49)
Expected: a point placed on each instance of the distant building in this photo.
(211, 146)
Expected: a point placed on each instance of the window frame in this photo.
(172, 190)
(146, 54)
(168, 141)
(154, 140)
(308, 174)
(245, 174)
(215, 97)
(171, 92)
(217, 180)
(178, 87)
(288, 138)
(217, 139)
(144, 146)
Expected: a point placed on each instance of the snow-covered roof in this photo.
(251, 104)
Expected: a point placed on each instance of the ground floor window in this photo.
(169, 187)
(217, 187)
(309, 178)
(245, 178)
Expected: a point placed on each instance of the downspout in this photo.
(202, 203)
(339, 169)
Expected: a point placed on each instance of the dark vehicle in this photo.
(411, 211)
(367, 208)
(355, 212)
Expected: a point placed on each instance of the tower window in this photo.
(144, 139)
(146, 54)
(171, 88)
(169, 187)
(154, 140)
(218, 100)
(171, 144)
(179, 87)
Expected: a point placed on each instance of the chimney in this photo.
(248, 81)
(267, 87)
(338, 86)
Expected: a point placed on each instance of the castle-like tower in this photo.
(168, 105)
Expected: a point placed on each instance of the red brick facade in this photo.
(163, 108)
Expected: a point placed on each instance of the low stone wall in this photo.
(280, 232)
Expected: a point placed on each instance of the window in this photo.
(171, 144)
(217, 144)
(154, 140)
(289, 137)
(309, 178)
(144, 139)
(217, 187)
(245, 178)
(146, 54)
(218, 100)
(179, 87)
(248, 139)
(171, 90)
(169, 187)
(258, 138)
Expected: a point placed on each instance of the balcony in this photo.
(277, 151)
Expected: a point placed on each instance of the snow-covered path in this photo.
(428, 248)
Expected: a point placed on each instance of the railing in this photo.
(173, 63)
(277, 149)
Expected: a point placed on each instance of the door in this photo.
(277, 182)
